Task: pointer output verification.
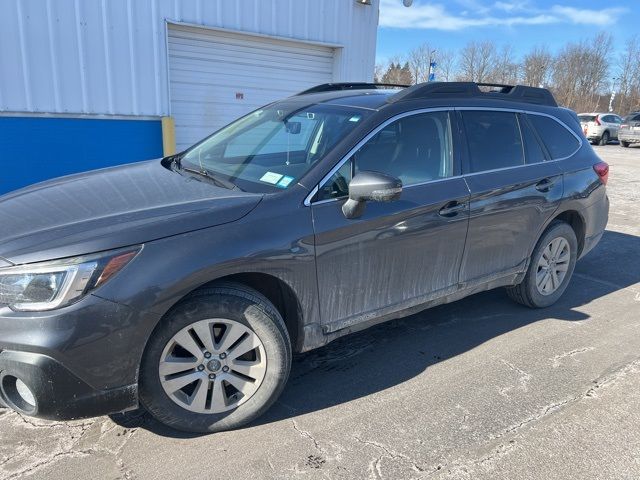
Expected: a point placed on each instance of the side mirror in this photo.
(370, 187)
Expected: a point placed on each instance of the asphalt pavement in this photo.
(480, 389)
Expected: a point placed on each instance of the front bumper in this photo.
(57, 394)
(78, 361)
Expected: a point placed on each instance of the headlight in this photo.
(50, 285)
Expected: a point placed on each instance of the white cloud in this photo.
(512, 6)
(435, 16)
(605, 16)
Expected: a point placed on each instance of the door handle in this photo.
(545, 185)
(451, 209)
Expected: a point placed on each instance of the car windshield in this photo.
(587, 118)
(273, 147)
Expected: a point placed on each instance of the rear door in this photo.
(514, 190)
(612, 124)
(397, 254)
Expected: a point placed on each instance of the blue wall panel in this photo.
(33, 149)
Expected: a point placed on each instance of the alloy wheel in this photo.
(212, 366)
(553, 266)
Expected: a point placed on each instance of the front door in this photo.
(397, 254)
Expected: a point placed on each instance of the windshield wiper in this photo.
(220, 182)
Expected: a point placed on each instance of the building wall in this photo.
(39, 148)
(83, 59)
(109, 56)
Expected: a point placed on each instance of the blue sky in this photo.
(522, 24)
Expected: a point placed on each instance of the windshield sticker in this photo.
(271, 177)
(286, 180)
(355, 118)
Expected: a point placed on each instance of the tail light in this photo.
(602, 170)
(597, 120)
(624, 125)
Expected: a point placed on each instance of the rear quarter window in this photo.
(559, 141)
(533, 150)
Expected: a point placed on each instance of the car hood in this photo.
(111, 208)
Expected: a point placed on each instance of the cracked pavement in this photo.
(481, 388)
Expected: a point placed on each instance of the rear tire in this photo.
(624, 144)
(226, 392)
(604, 140)
(550, 268)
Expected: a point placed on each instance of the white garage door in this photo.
(216, 77)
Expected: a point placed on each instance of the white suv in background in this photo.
(600, 127)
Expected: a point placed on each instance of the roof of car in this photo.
(361, 98)
(375, 96)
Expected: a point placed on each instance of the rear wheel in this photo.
(624, 144)
(550, 269)
(604, 140)
(218, 361)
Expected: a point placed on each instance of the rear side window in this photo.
(494, 140)
(559, 141)
(533, 150)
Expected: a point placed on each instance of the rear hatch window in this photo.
(586, 118)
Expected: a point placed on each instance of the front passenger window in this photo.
(415, 149)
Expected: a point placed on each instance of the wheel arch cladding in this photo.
(577, 223)
(277, 291)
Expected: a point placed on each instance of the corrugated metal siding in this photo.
(109, 56)
(208, 68)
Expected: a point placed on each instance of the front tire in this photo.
(624, 144)
(217, 361)
(550, 269)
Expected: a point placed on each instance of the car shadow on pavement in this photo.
(389, 354)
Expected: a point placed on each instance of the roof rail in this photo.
(452, 90)
(333, 87)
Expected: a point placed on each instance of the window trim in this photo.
(314, 191)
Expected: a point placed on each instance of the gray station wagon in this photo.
(184, 285)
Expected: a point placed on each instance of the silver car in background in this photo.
(630, 129)
(600, 128)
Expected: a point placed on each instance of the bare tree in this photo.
(536, 67)
(628, 77)
(477, 61)
(580, 73)
(378, 72)
(505, 69)
(420, 61)
(446, 60)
